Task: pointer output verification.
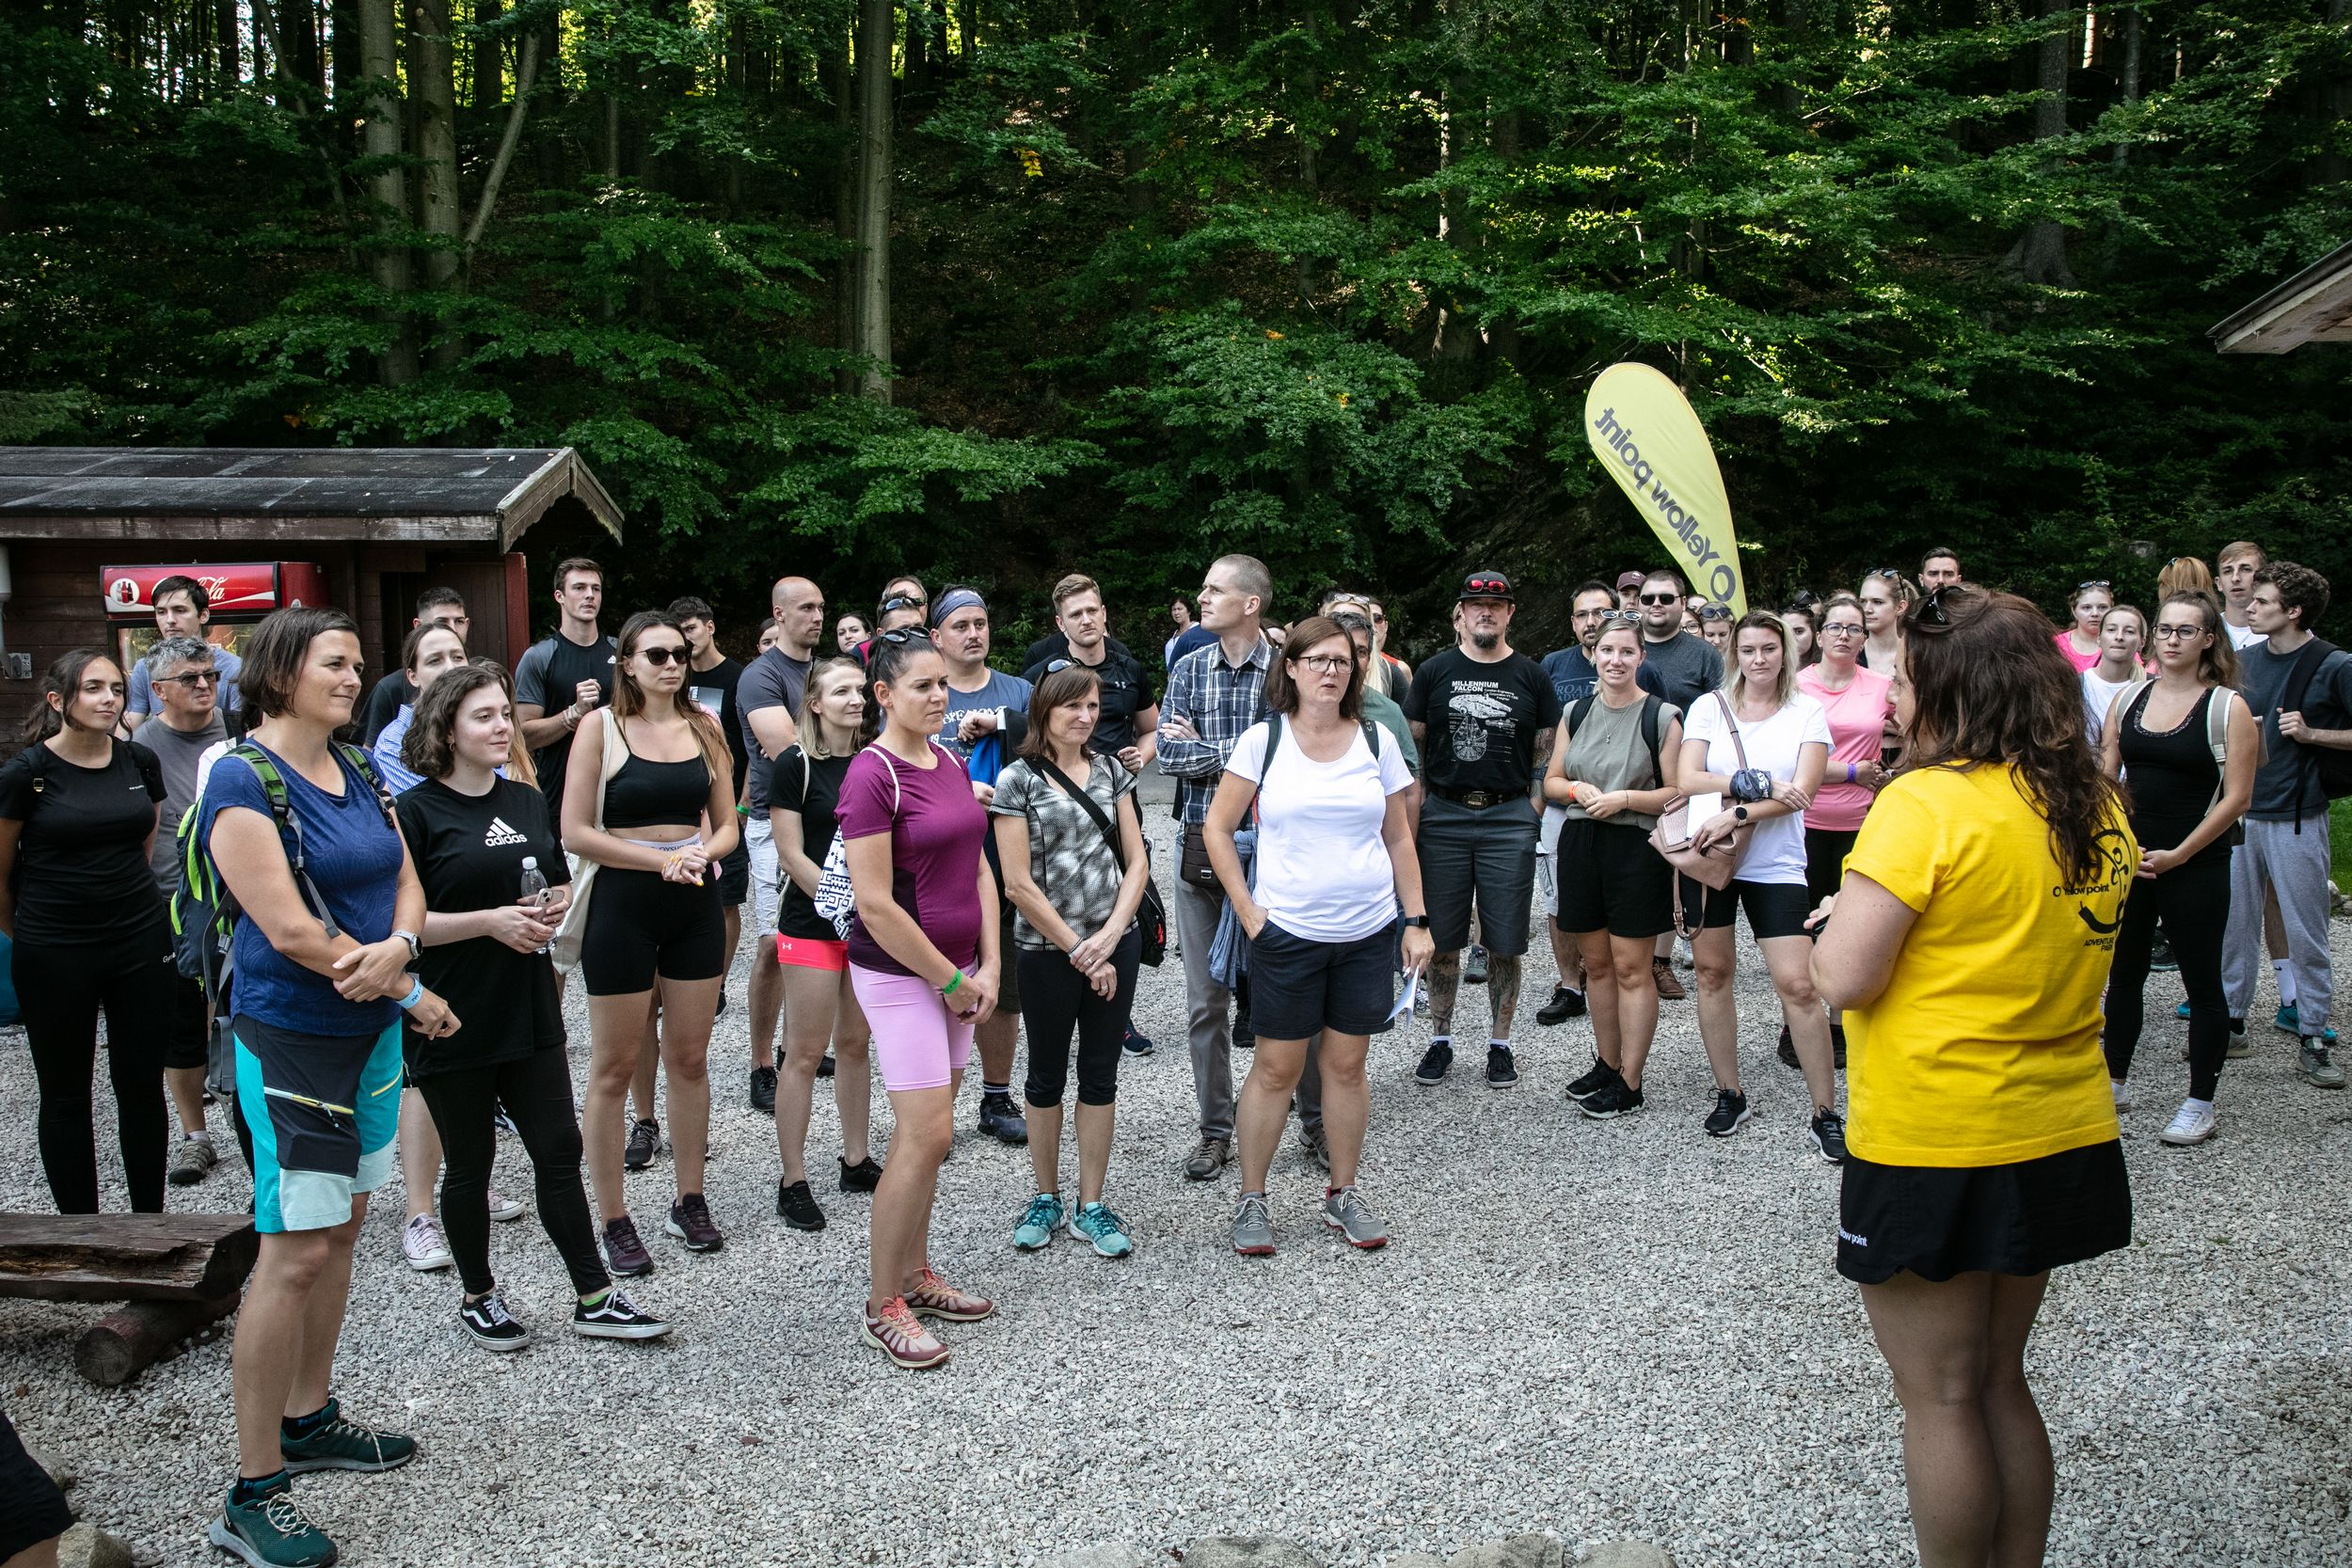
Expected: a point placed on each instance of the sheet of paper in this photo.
(1405, 1002)
(1704, 806)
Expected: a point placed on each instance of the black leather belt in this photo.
(1477, 799)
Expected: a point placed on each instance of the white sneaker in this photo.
(2193, 1123)
(2123, 1099)
(506, 1208)
(422, 1242)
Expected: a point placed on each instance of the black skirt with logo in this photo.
(1937, 1221)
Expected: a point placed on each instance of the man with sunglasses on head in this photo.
(185, 675)
(1484, 714)
(1591, 607)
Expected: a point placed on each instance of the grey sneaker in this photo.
(1253, 1226)
(192, 1161)
(1317, 1147)
(1353, 1218)
(1208, 1159)
(2318, 1071)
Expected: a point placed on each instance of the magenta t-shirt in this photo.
(1857, 721)
(935, 832)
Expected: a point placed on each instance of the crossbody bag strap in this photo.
(1738, 746)
(1086, 803)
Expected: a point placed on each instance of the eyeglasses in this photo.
(1661, 598)
(193, 679)
(2181, 634)
(661, 655)
(1622, 617)
(1840, 628)
(1327, 664)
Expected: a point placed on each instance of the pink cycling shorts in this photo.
(918, 1044)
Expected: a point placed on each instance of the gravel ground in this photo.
(1602, 1330)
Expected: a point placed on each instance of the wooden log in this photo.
(127, 1342)
(184, 1257)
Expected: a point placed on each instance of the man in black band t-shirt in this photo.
(562, 680)
(1483, 716)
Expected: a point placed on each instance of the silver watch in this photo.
(416, 944)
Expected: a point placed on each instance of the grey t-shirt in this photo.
(1688, 665)
(2284, 787)
(177, 752)
(1068, 859)
(775, 679)
(1608, 752)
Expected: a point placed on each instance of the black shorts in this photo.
(734, 876)
(1298, 988)
(2019, 1219)
(640, 926)
(1825, 852)
(184, 1046)
(1774, 909)
(1486, 856)
(1611, 880)
(32, 1510)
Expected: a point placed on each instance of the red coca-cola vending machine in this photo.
(241, 592)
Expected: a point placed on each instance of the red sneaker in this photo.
(933, 1297)
(901, 1336)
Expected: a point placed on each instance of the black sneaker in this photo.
(1611, 1100)
(617, 1317)
(1501, 1072)
(624, 1254)
(1829, 1136)
(764, 1089)
(487, 1321)
(1475, 966)
(825, 1066)
(1731, 1110)
(2160, 958)
(1837, 1046)
(689, 1222)
(644, 1142)
(1787, 1048)
(1136, 1045)
(1564, 1006)
(1001, 1120)
(797, 1206)
(1598, 1077)
(1434, 1063)
(1245, 1033)
(864, 1177)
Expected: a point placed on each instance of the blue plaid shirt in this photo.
(1219, 700)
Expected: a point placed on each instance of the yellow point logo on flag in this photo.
(1650, 442)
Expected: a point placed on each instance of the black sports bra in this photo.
(655, 794)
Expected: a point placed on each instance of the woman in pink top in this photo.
(2080, 642)
(1860, 704)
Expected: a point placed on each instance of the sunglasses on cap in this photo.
(1494, 587)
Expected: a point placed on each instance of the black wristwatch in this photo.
(1740, 813)
(1420, 920)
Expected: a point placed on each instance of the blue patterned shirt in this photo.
(1219, 700)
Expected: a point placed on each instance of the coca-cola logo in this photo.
(124, 593)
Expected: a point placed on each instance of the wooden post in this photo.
(127, 1342)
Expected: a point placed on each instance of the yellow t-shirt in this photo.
(1983, 1049)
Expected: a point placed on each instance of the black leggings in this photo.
(1825, 852)
(536, 1091)
(1055, 1001)
(2194, 904)
(60, 989)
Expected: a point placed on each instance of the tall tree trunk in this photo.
(1457, 132)
(489, 60)
(2127, 74)
(2040, 255)
(432, 80)
(918, 46)
(876, 19)
(1796, 26)
(2332, 168)
(968, 33)
(230, 71)
(838, 80)
(299, 31)
(379, 68)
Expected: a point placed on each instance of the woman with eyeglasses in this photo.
(1760, 745)
(2185, 802)
(2122, 649)
(1860, 704)
(1612, 773)
(1334, 867)
(649, 796)
(2080, 642)
(1969, 946)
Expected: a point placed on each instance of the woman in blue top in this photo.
(316, 1008)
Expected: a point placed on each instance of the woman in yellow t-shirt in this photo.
(1971, 942)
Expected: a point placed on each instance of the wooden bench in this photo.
(178, 1273)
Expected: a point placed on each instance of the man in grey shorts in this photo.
(1483, 715)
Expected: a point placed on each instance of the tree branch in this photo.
(513, 134)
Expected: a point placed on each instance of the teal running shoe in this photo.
(337, 1444)
(2288, 1024)
(1038, 1225)
(271, 1531)
(1095, 1223)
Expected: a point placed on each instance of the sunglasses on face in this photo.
(1661, 598)
(195, 678)
(663, 654)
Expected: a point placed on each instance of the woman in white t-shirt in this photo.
(1334, 860)
(1759, 722)
(2123, 639)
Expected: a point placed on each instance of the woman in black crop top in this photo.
(649, 798)
(2161, 737)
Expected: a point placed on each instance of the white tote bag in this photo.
(574, 930)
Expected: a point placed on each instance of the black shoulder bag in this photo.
(1151, 916)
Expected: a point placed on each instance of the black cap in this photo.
(1486, 585)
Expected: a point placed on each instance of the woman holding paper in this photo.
(1335, 858)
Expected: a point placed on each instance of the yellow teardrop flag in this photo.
(1650, 442)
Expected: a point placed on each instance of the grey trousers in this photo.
(1209, 1022)
(2297, 865)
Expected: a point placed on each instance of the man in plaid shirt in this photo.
(1213, 693)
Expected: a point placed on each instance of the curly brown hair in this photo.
(1989, 686)
(429, 748)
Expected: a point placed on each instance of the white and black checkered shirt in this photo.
(1220, 701)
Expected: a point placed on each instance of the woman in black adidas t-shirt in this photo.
(77, 813)
(470, 831)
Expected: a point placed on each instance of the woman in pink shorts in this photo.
(923, 963)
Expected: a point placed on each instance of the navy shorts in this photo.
(1300, 988)
(323, 1111)
(1487, 857)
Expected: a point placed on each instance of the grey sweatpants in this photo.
(1209, 1022)
(2297, 865)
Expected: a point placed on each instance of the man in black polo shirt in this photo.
(564, 679)
(1483, 715)
(1129, 726)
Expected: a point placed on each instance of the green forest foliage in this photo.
(1323, 283)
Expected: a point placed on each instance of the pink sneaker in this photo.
(901, 1336)
(933, 1297)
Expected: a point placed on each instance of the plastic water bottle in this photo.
(534, 887)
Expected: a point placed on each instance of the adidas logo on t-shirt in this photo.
(501, 834)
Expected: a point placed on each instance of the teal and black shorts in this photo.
(323, 1111)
